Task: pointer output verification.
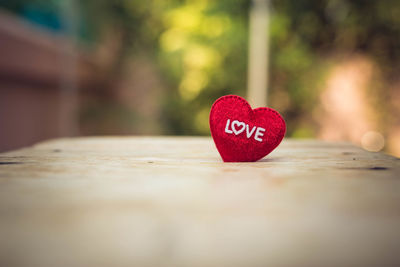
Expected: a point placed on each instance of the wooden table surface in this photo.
(171, 201)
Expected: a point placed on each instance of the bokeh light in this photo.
(155, 67)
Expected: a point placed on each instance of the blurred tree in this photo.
(199, 49)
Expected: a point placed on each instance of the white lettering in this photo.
(259, 133)
(237, 127)
(227, 127)
(249, 134)
(240, 124)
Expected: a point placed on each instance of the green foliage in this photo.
(200, 48)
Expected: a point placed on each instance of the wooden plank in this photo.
(171, 201)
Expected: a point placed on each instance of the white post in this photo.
(257, 81)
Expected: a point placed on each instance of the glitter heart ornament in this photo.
(243, 134)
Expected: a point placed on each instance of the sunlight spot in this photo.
(192, 84)
(201, 57)
(186, 18)
(172, 40)
(215, 26)
(372, 141)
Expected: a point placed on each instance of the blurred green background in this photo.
(158, 65)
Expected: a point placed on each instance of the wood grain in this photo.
(171, 201)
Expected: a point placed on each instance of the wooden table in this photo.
(169, 201)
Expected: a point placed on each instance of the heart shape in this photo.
(236, 122)
(244, 134)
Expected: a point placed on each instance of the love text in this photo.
(238, 127)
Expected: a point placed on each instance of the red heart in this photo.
(241, 133)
